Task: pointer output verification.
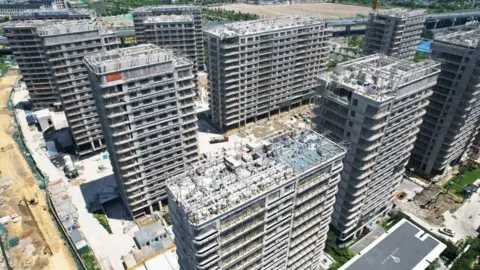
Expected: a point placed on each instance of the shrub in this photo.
(102, 219)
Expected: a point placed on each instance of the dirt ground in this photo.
(9, 79)
(40, 246)
(433, 212)
(323, 10)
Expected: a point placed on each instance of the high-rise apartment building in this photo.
(260, 68)
(268, 208)
(394, 32)
(50, 56)
(53, 14)
(144, 96)
(175, 27)
(376, 103)
(16, 7)
(450, 124)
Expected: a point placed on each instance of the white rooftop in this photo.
(401, 12)
(463, 38)
(139, 55)
(379, 76)
(261, 26)
(223, 181)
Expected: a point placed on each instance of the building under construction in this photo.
(54, 14)
(50, 56)
(394, 32)
(451, 122)
(260, 68)
(144, 95)
(376, 103)
(175, 27)
(263, 205)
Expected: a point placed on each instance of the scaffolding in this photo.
(224, 181)
(169, 18)
(264, 25)
(468, 38)
(377, 76)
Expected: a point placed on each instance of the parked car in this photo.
(446, 231)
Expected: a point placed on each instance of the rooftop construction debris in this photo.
(224, 181)
(469, 38)
(379, 77)
(169, 18)
(132, 57)
(261, 26)
(401, 12)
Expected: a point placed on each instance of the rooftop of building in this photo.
(169, 18)
(58, 27)
(461, 37)
(24, 1)
(379, 76)
(52, 11)
(119, 21)
(151, 232)
(223, 181)
(169, 8)
(401, 12)
(144, 54)
(404, 246)
(261, 26)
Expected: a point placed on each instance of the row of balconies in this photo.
(242, 254)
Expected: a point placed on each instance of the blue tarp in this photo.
(424, 46)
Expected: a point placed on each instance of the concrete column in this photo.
(453, 21)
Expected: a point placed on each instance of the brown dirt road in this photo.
(323, 10)
(40, 244)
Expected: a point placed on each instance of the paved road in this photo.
(466, 219)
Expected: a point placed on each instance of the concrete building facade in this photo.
(53, 14)
(144, 96)
(54, 71)
(175, 27)
(375, 103)
(264, 209)
(257, 69)
(452, 116)
(17, 7)
(394, 32)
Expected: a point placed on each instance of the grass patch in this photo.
(89, 261)
(102, 219)
(340, 255)
(467, 175)
(168, 218)
(420, 56)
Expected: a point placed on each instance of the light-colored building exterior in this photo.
(54, 14)
(376, 103)
(50, 56)
(394, 32)
(257, 69)
(268, 208)
(452, 116)
(144, 95)
(17, 7)
(175, 27)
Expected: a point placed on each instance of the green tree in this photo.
(434, 265)
(427, 34)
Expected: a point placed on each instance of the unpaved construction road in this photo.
(40, 246)
(322, 10)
